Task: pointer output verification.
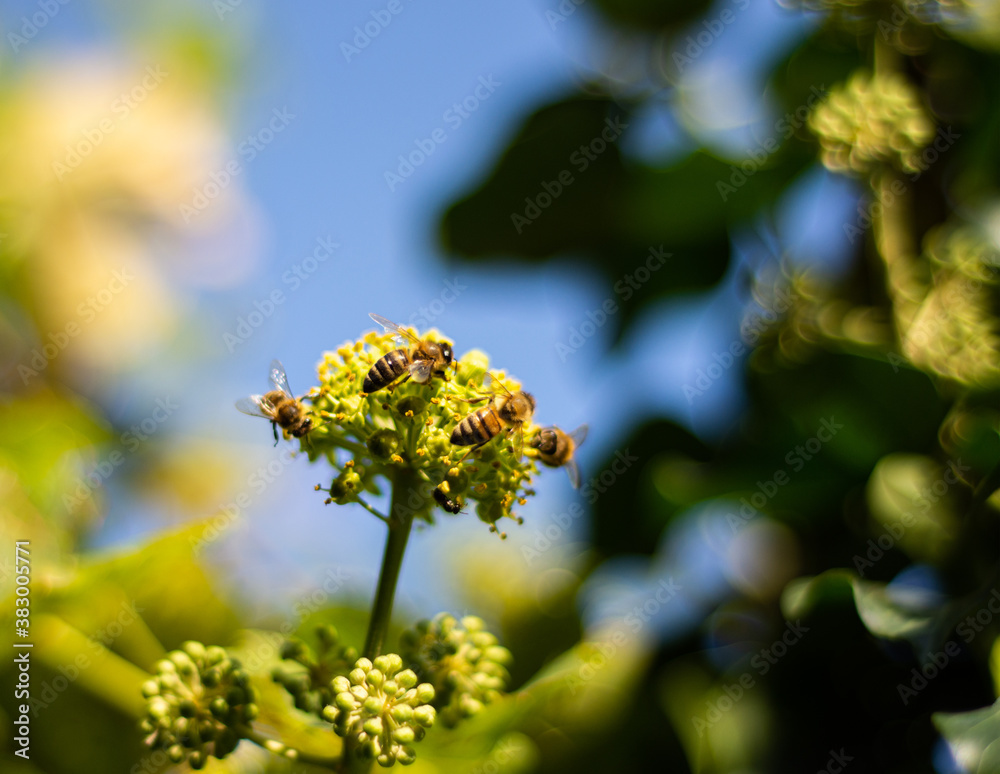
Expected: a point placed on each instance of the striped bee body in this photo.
(421, 362)
(289, 413)
(556, 449)
(478, 427)
(386, 370)
(279, 406)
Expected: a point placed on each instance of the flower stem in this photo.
(400, 522)
(278, 748)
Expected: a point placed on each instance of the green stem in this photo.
(400, 522)
(279, 748)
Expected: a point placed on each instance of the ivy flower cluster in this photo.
(381, 708)
(407, 427)
(307, 674)
(954, 333)
(870, 121)
(199, 703)
(465, 663)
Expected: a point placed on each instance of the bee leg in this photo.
(477, 447)
(465, 456)
(470, 400)
(394, 385)
(274, 427)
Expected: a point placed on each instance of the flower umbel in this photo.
(200, 703)
(464, 662)
(871, 121)
(307, 675)
(380, 706)
(408, 426)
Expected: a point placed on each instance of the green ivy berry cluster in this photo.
(199, 703)
(464, 662)
(382, 709)
(408, 426)
(307, 675)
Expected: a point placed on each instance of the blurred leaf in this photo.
(666, 451)
(108, 678)
(596, 211)
(995, 666)
(904, 498)
(973, 738)
(821, 61)
(531, 593)
(700, 196)
(887, 612)
(85, 702)
(259, 652)
(165, 582)
(653, 14)
(580, 215)
(581, 698)
(738, 740)
(901, 410)
(48, 447)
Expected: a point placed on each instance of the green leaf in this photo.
(973, 738)
(883, 611)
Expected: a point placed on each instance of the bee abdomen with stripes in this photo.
(386, 370)
(477, 428)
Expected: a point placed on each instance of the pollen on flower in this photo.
(405, 428)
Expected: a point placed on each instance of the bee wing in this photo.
(256, 406)
(573, 470)
(420, 370)
(401, 334)
(579, 435)
(279, 378)
(490, 382)
(518, 443)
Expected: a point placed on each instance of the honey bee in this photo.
(507, 413)
(555, 449)
(422, 360)
(278, 405)
(445, 502)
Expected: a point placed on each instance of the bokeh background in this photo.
(190, 189)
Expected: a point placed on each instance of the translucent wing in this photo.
(579, 435)
(401, 334)
(279, 378)
(490, 382)
(256, 406)
(573, 470)
(518, 442)
(421, 370)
